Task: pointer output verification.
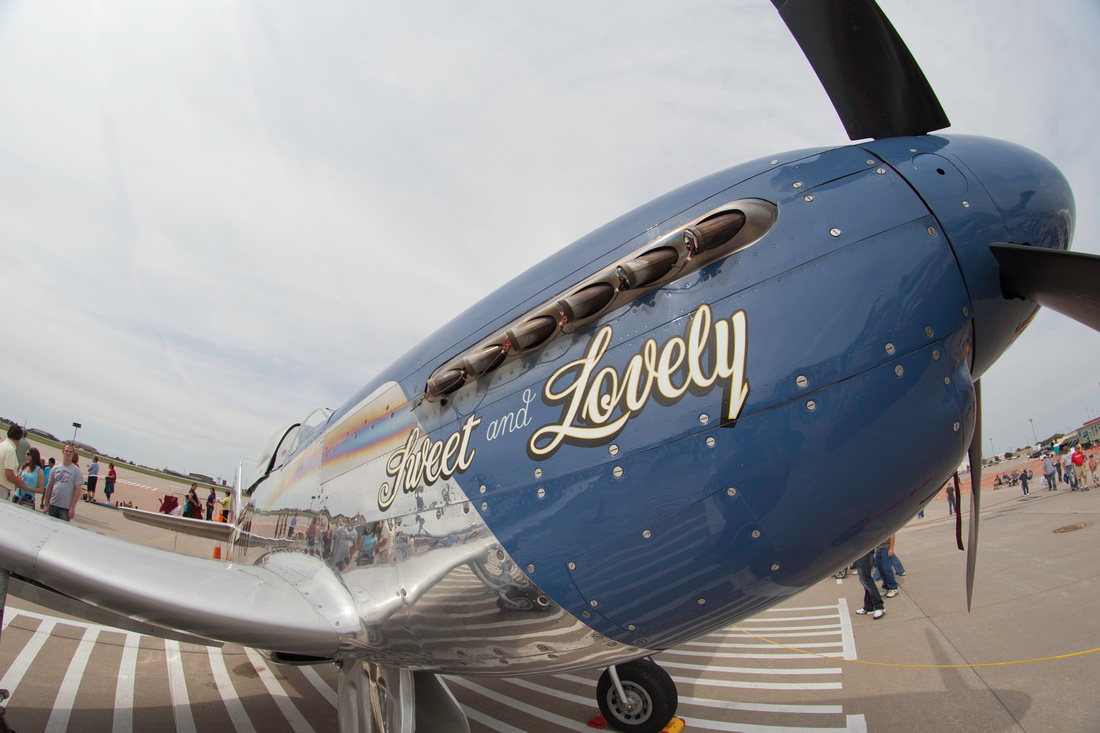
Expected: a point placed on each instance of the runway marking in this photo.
(503, 699)
(66, 696)
(322, 687)
(237, 714)
(177, 687)
(22, 663)
(124, 690)
(278, 694)
(509, 705)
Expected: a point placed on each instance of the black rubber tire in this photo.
(651, 684)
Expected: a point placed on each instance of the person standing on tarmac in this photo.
(63, 487)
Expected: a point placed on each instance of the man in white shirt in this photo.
(10, 480)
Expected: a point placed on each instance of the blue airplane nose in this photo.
(985, 191)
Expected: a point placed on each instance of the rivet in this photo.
(966, 204)
(931, 231)
(404, 593)
(572, 566)
(704, 419)
(612, 644)
(955, 427)
(775, 566)
(484, 505)
(593, 603)
(947, 380)
(613, 450)
(880, 171)
(870, 162)
(808, 198)
(899, 370)
(928, 331)
(775, 162)
(755, 534)
(935, 354)
(731, 491)
(586, 614)
(530, 568)
(646, 533)
(711, 441)
(798, 184)
(541, 492)
(889, 348)
(701, 601)
(834, 232)
(483, 488)
(966, 312)
(542, 648)
(811, 405)
(617, 472)
(631, 627)
(466, 508)
(538, 473)
(912, 150)
(801, 381)
(500, 554)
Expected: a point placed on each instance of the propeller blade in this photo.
(873, 81)
(975, 455)
(1060, 280)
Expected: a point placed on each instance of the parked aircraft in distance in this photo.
(656, 432)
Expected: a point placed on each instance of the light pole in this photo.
(1033, 431)
(76, 426)
(991, 447)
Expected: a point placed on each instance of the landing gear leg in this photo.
(376, 698)
(637, 697)
(4, 575)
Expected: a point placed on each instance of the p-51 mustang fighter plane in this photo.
(658, 431)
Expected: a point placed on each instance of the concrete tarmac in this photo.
(1014, 663)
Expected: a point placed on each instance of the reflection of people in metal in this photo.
(344, 541)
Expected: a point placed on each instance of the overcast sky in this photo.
(215, 216)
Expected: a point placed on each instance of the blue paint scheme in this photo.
(875, 284)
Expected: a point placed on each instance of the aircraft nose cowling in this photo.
(984, 191)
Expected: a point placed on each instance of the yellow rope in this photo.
(915, 666)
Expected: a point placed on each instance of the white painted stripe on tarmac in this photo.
(278, 694)
(66, 696)
(22, 663)
(760, 707)
(772, 619)
(759, 645)
(224, 684)
(551, 691)
(857, 724)
(721, 725)
(123, 721)
(751, 670)
(744, 685)
(769, 629)
(177, 688)
(537, 713)
(847, 634)
(322, 687)
(736, 655)
(491, 723)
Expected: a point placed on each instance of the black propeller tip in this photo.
(868, 72)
